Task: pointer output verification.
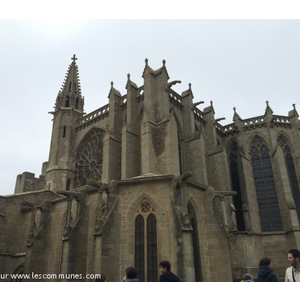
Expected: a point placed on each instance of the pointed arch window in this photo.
(67, 102)
(235, 182)
(180, 146)
(68, 184)
(265, 186)
(77, 103)
(145, 245)
(290, 166)
(195, 240)
(64, 131)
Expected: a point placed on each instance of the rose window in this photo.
(89, 159)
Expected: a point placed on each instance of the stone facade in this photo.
(149, 177)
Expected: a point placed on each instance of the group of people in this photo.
(131, 274)
(266, 273)
(165, 273)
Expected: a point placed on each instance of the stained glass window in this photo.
(145, 257)
(290, 166)
(139, 246)
(151, 249)
(265, 186)
(237, 199)
(89, 158)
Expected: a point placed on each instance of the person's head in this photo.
(101, 278)
(294, 257)
(131, 272)
(164, 266)
(247, 277)
(266, 261)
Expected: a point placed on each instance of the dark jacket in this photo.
(168, 277)
(265, 274)
(132, 280)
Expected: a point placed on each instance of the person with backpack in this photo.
(265, 271)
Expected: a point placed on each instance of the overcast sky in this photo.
(234, 63)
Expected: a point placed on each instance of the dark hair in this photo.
(165, 264)
(264, 262)
(131, 272)
(102, 278)
(247, 276)
(295, 253)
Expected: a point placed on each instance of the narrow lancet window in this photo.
(145, 256)
(235, 181)
(77, 103)
(267, 200)
(67, 103)
(291, 170)
(139, 246)
(195, 240)
(64, 131)
(68, 185)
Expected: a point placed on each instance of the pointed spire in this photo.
(294, 112)
(211, 107)
(113, 90)
(188, 92)
(74, 58)
(235, 115)
(148, 70)
(130, 83)
(164, 68)
(268, 108)
(71, 83)
(238, 122)
(70, 93)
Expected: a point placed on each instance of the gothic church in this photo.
(148, 177)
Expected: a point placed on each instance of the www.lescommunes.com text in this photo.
(37, 276)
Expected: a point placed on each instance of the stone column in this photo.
(64, 267)
(102, 204)
(97, 254)
(188, 256)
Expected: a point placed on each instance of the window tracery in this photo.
(290, 167)
(146, 242)
(235, 181)
(89, 159)
(265, 186)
